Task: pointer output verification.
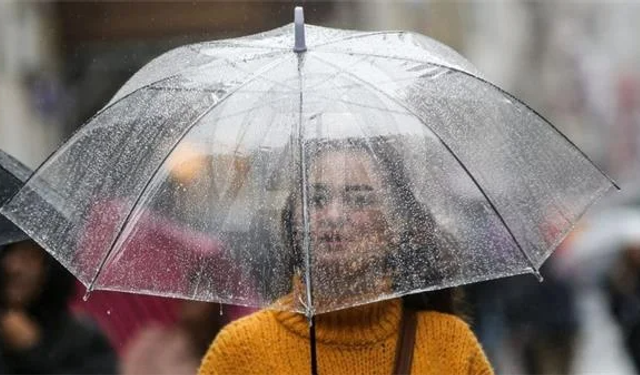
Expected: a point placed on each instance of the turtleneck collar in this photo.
(354, 326)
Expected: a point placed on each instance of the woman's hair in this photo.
(420, 242)
(56, 289)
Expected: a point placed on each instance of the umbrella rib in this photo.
(186, 131)
(455, 156)
(502, 91)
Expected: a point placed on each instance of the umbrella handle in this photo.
(298, 20)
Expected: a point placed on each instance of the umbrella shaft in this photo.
(312, 345)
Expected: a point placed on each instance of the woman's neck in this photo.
(344, 292)
(353, 326)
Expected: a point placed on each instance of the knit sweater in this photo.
(360, 340)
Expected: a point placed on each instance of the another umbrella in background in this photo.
(120, 315)
(598, 242)
(13, 175)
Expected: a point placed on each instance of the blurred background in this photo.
(577, 63)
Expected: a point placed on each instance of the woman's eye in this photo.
(319, 200)
(360, 200)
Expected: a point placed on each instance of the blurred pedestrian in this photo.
(544, 321)
(623, 291)
(487, 301)
(38, 334)
(178, 349)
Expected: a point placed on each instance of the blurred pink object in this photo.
(158, 256)
(152, 256)
(159, 350)
(122, 315)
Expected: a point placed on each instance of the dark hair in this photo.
(418, 240)
(57, 289)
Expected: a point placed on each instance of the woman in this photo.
(367, 232)
(38, 334)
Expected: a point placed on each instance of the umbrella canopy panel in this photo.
(374, 165)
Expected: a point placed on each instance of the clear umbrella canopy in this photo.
(370, 166)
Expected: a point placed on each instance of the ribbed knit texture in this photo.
(360, 340)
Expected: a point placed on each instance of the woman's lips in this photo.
(331, 239)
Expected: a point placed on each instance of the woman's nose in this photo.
(333, 212)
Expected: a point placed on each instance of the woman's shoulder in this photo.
(252, 321)
(244, 330)
(238, 344)
(449, 339)
(442, 317)
(445, 325)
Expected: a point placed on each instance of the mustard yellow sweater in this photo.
(359, 340)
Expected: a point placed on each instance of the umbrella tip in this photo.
(538, 275)
(86, 295)
(298, 21)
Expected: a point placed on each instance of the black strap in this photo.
(406, 342)
(312, 343)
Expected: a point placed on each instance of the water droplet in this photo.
(86, 296)
(108, 312)
(221, 313)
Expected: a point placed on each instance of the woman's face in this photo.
(348, 225)
(23, 268)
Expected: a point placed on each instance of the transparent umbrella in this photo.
(346, 168)
(13, 174)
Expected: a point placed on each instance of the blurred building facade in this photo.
(576, 63)
(30, 111)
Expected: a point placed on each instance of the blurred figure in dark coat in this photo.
(623, 291)
(38, 334)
